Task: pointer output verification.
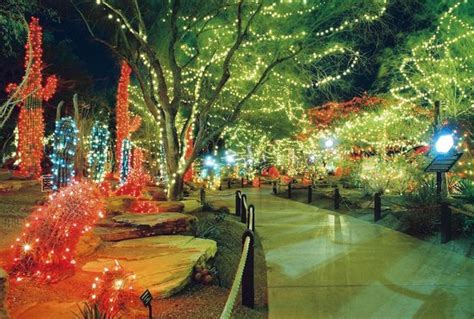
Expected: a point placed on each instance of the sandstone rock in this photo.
(218, 206)
(162, 264)
(176, 207)
(158, 224)
(3, 294)
(119, 204)
(88, 244)
(158, 195)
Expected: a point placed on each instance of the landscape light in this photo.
(329, 143)
(444, 143)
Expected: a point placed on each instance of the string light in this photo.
(98, 150)
(33, 93)
(64, 151)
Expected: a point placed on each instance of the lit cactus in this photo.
(98, 149)
(125, 160)
(64, 151)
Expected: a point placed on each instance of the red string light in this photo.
(121, 111)
(188, 176)
(30, 122)
(45, 250)
(113, 290)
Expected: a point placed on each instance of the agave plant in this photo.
(89, 311)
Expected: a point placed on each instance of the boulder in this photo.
(3, 294)
(158, 224)
(119, 203)
(219, 206)
(158, 195)
(176, 207)
(162, 264)
(88, 244)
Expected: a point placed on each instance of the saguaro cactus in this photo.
(98, 148)
(32, 94)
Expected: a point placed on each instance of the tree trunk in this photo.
(175, 190)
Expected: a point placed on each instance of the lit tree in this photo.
(209, 63)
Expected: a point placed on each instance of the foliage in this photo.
(388, 175)
(91, 311)
(424, 195)
(465, 188)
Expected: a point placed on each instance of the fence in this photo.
(310, 188)
(245, 271)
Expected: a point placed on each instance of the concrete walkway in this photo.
(326, 265)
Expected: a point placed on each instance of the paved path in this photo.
(326, 265)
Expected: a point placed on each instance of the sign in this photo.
(47, 183)
(443, 163)
(146, 298)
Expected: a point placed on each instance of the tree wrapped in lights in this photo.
(125, 160)
(32, 93)
(98, 150)
(46, 248)
(125, 124)
(113, 291)
(439, 67)
(213, 65)
(64, 152)
(137, 178)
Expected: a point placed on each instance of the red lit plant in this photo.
(46, 249)
(32, 93)
(125, 125)
(324, 116)
(113, 290)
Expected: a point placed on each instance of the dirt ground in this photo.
(196, 301)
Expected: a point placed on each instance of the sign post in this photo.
(146, 298)
(47, 183)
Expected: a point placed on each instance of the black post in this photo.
(248, 287)
(337, 198)
(377, 206)
(243, 209)
(251, 212)
(439, 183)
(203, 196)
(310, 193)
(150, 312)
(289, 190)
(445, 223)
(274, 187)
(229, 182)
(242, 182)
(238, 199)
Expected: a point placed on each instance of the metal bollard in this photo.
(238, 199)
(337, 198)
(243, 209)
(229, 183)
(248, 284)
(242, 182)
(202, 196)
(275, 188)
(377, 206)
(289, 190)
(445, 223)
(310, 193)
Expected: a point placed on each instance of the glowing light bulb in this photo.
(444, 143)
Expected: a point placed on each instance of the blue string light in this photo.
(98, 149)
(125, 160)
(64, 151)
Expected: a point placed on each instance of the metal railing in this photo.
(245, 270)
